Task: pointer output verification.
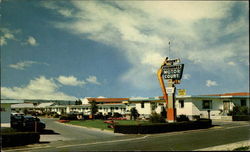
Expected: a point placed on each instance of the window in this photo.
(207, 104)
(142, 105)
(181, 103)
(243, 102)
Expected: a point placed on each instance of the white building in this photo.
(193, 106)
(6, 111)
(219, 105)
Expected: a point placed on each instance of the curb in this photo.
(96, 129)
(227, 147)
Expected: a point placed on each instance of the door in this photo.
(226, 106)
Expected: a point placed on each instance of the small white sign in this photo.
(169, 90)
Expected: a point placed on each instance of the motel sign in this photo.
(173, 71)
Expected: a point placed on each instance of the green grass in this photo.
(91, 124)
(104, 126)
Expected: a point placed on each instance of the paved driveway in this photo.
(64, 132)
(71, 138)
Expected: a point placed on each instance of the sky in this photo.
(69, 50)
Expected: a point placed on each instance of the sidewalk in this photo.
(227, 147)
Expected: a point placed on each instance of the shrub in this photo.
(239, 110)
(241, 118)
(162, 127)
(56, 115)
(68, 117)
(116, 115)
(181, 118)
(10, 139)
(99, 116)
(164, 113)
(156, 118)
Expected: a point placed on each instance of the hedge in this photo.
(241, 118)
(162, 127)
(11, 139)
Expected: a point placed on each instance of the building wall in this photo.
(160, 107)
(186, 110)
(143, 111)
(194, 108)
(5, 115)
(197, 108)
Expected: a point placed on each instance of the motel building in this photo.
(193, 106)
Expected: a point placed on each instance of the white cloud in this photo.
(210, 83)
(141, 30)
(60, 10)
(186, 76)
(31, 41)
(22, 65)
(70, 80)
(25, 64)
(3, 41)
(231, 63)
(6, 35)
(10, 34)
(39, 88)
(93, 79)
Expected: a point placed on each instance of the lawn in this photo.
(101, 125)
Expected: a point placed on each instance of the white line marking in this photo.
(104, 142)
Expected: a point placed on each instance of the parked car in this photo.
(16, 120)
(30, 122)
(27, 123)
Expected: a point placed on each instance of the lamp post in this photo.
(208, 112)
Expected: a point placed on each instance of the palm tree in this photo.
(134, 113)
(94, 108)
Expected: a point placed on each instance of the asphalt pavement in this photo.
(71, 138)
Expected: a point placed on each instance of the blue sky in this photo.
(76, 49)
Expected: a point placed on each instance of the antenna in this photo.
(169, 49)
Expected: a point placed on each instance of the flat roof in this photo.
(11, 101)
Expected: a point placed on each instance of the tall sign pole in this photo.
(172, 71)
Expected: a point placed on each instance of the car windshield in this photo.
(29, 118)
(17, 117)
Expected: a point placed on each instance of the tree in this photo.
(156, 118)
(134, 113)
(78, 102)
(164, 113)
(94, 108)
